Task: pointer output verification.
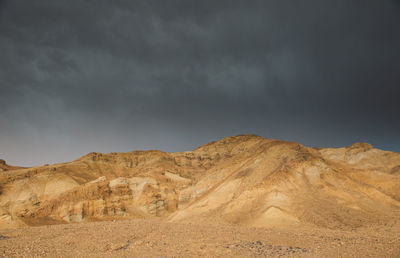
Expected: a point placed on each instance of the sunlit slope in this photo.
(243, 179)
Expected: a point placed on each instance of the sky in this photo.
(97, 75)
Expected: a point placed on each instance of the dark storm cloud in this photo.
(79, 76)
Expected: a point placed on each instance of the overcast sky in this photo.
(82, 76)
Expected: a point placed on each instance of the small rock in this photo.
(117, 246)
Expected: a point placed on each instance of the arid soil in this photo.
(155, 238)
(243, 195)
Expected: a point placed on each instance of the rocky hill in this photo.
(244, 179)
(4, 166)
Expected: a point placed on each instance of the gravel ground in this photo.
(155, 238)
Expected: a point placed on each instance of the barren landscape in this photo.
(157, 238)
(239, 196)
(194, 128)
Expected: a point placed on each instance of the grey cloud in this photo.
(175, 74)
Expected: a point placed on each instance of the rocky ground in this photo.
(156, 238)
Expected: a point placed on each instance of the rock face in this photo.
(4, 166)
(244, 179)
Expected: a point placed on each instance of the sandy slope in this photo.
(244, 180)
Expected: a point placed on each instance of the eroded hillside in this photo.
(5, 167)
(244, 179)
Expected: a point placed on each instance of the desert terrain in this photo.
(238, 196)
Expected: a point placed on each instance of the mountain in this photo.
(245, 179)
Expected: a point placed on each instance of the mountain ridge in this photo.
(244, 179)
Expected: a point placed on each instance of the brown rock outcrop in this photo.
(244, 179)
